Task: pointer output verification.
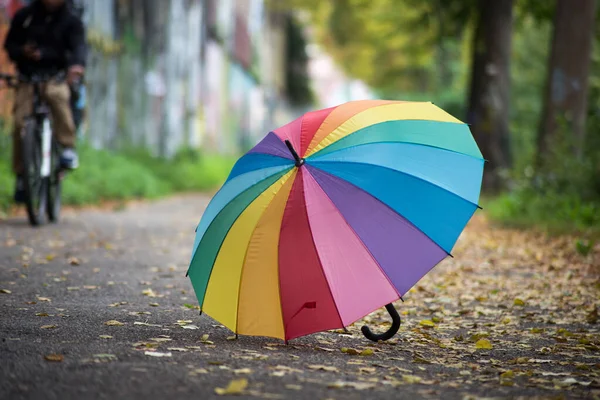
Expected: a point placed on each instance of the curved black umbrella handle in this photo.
(390, 332)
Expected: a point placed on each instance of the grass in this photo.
(551, 212)
(107, 175)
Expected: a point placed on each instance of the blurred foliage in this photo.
(422, 50)
(104, 44)
(108, 175)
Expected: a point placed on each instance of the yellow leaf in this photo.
(508, 374)
(483, 344)
(411, 379)
(153, 304)
(5, 291)
(204, 337)
(231, 337)
(519, 302)
(149, 293)
(48, 326)
(427, 323)
(352, 352)
(367, 352)
(236, 386)
(113, 322)
(54, 357)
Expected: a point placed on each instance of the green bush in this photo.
(130, 174)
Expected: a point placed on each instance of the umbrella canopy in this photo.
(333, 216)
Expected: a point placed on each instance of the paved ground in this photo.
(98, 308)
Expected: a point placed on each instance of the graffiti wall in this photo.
(169, 74)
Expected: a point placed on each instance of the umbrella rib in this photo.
(400, 172)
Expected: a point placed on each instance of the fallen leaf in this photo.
(105, 337)
(323, 367)
(325, 349)
(153, 304)
(189, 327)
(519, 302)
(146, 324)
(507, 374)
(199, 371)
(427, 323)
(350, 351)
(41, 314)
(46, 299)
(54, 357)
(113, 322)
(157, 354)
(232, 337)
(483, 344)
(367, 352)
(293, 387)
(411, 379)
(354, 385)
(181, 349)
(236, 386)
(149, 292)
(74, 261)
(48, 326)
(242, 371)
(5, 291)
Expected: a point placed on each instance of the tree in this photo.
(488, 103)
(566, 92)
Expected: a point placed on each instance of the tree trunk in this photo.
(565, 98)
(489, 88)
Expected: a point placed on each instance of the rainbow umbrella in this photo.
(333, 216)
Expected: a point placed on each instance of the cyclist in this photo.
(45, 38)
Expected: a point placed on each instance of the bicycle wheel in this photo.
(54, 184)
(35, 184)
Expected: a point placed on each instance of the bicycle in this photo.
(42, 173)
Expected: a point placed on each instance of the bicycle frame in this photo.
(41, 113)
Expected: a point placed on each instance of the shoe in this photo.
(19, 190)
(69, 159)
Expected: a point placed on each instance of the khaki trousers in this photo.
(56, 95)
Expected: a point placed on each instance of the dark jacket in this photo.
(58, 35)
